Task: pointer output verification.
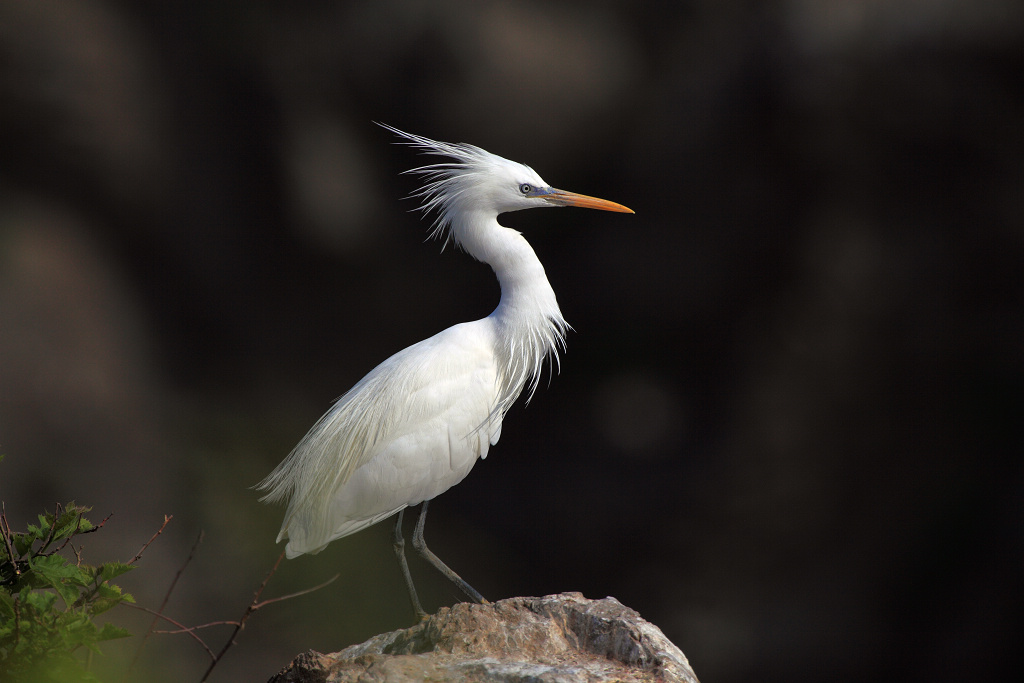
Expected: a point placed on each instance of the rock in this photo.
(565, 638)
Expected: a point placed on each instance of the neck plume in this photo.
(529, 325)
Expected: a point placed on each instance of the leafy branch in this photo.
(48, 601)
(49, 598)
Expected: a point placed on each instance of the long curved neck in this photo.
(528, 323)
(526, 294)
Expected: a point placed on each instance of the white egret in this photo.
(416, 424)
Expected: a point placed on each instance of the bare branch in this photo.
(191, 631)
(196, 628)
(138, 555)
(167, 595)
(295, 595)
(184, 629)
(241, 622)
(98, 526)
(5, 531)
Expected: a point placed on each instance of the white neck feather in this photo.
(529, 323)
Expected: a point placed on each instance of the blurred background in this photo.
(786, 429)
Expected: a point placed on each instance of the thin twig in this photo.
(138, 555)
(67, 541)
(5, 531)
(167, 595)
(253, 606)
(191, 631)
(99, 526)
(78, 531)
(184, 629)
(53, 530)
(295, 595)
(196, 628)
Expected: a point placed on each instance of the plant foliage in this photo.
(49, 599)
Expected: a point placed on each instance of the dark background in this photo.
(787, 426)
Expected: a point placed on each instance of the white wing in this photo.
(409, 430)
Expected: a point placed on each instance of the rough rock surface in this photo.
(564, 638)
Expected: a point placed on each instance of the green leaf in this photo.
(112, 570)
(37, 600)
(111, 632)
(63, 577)
(56, 568)
(22, 543)
(78, 631)
(6, 605)
(108, 596)
(70, 522)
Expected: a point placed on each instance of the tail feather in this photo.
(300, 542)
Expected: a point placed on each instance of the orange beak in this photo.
(563, 198)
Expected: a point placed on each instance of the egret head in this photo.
(477, 183)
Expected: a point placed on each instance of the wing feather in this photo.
(395, 399)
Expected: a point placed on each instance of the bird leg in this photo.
(421, 547)
(399, 541)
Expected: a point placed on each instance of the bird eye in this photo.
(525, 188)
